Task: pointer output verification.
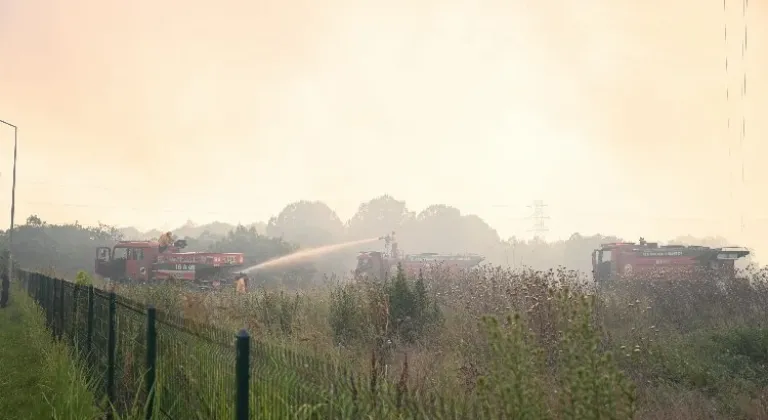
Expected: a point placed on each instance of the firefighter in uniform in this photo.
(241, 283)
(165, 241)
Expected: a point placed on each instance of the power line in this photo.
(742, 131)
(538, 215)
(727, 99)
(742, 139)
(120, 207)
(116, 188)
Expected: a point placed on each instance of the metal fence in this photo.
(144, 363)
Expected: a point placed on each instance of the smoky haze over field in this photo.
(151, 113)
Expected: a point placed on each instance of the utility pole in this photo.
(13, 198)
(539, 218)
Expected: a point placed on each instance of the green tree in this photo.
(402, 306)
(410, 309)
(378, 217)
(307, 223)
(68, 248)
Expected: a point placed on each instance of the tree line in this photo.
(67, 248)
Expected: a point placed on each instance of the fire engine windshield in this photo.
(120, 253)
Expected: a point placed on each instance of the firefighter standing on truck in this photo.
(165, 241)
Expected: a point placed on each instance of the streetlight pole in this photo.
(13, 197)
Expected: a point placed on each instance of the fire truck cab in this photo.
(142, 261)
(128, 260)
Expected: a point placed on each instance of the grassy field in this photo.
(525, 343)
(37, 377)
(490, 343)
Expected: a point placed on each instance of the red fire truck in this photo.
(622, 260)
(382, 265)
(142, 261)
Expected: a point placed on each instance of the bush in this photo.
(347, 315)
(513, 387)
(398, 309)
(83, 279)
(582, 382)
(410, 310)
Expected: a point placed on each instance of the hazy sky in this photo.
(614, 113)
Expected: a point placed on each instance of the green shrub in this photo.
(347, 314)
(582, 382)
(410, 310)
(83, 278)
(592, 386)
(513, 387)
(278, 311)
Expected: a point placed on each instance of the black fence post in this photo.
(41, 287)
(36, 286)
(242, 373)
(62, 284)
(49, 292)
(75, 294)
(151, 359)
(89, 326)
(38, 290)
(43, 292)
(54, 307)
(111, 344)
(54, 301)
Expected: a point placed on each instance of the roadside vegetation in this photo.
(38, 378)
(533, 344)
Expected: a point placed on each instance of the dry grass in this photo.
(692, 348)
